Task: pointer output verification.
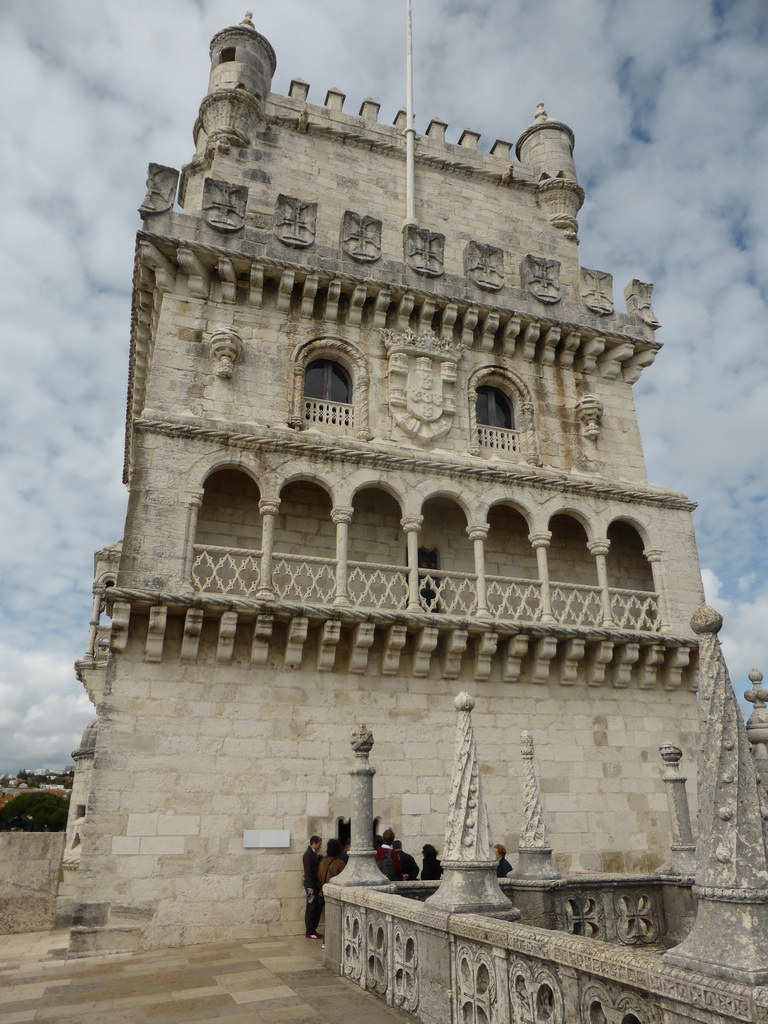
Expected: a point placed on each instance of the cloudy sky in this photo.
(669, 103)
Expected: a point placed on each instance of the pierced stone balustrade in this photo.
(498, 439)
(305, 578)
(334, 414)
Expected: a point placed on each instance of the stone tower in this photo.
(370, 465)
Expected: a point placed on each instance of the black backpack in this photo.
(387, 866)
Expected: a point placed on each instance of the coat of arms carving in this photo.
(424, 251)
(597, 291)
(295, 221)
(161, 190)
(421, 380)
(361, 237)
(224, 205)
(541, 276)
(484, 265)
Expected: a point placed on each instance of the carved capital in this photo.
(653, 554)
(412, 524)
(477, 532)
(599, 547)
(342, 515)
(269, 506)
(541, 539)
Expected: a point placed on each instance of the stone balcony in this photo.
(374, 587)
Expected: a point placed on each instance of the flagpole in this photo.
(410, 131)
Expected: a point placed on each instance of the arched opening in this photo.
(509, 559)
(304, 563)
(494, 409)
(569, 557)
(446, 579)
(328, 381)
(229, 514)
(376, 545)
(628, 568)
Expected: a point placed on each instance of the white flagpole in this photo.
(410, 131)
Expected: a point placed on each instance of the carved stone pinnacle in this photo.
(670, 754)
(362, 740)
(464, 702)
(706, 620)
(526, 744)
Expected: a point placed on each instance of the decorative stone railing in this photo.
(334, 414)
(498, 439)
(440, 966)
(305, 578)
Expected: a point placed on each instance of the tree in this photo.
(35, 812)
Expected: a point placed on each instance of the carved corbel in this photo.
(549, 342)
(624, 658)
(468, 324)
(635, 366)
(197, 273)
(121, 619)
(165, 270)
(404, 307)
(488, 332)
(227, 348)
(329, 638)
(285, 290)
(256, 286)
(227, 629)
(426, 315)
(193, 627)
(308, 293)
(571, 343)
(517, 648)
(651, 658)
(676, 660)
(362, 638)
(590, 350)
(455, 646)
(394, 641)
(332, 301)
(570, 655)
(448, 320)
(381, 307)
(544, 650)
(599, 656)
(356, 303)
(294, 644)
(153, 649)
(262, 636)
(589, 412)
(228, 276)
(510, 334)
(424, 644)
(485, 648)
(530, 337)
(611, 363)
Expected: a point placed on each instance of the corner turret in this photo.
(546, 147)
(242, 65)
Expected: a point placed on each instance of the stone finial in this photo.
(682, 860)
(541, 114)
(469, 884)
(362, 741)
(757, 695)
(247, 21)
(757, 724)
(227, 347)
(730, 935)
(534, 852)
(670, 754)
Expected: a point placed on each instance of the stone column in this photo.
(341, 517)
(268, 507)
(189, 542)
(478, 534)
(534, 852)
(412, 525)
(361, 867)
(600, 548)
(469, 884)
(93, 625)
(540, 543)
(683, 858)
(654, 557)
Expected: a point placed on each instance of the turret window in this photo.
(227, 54)
(494, 409)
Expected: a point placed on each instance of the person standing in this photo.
(314, 898)
(431, 868)
(410, 868)
(503, 867)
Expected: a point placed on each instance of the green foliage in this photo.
(35, 812)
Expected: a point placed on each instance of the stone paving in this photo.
(280, 981)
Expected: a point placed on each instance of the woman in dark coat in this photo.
(503, 867)
(431, 869)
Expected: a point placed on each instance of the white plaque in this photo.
(260, 838)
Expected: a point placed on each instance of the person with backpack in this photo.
(387, 858)
(331, 864)
(407, 862)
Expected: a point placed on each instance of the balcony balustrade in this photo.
(498, 439)
(335, 414)
(304, 578)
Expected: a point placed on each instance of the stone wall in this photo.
(30, 863)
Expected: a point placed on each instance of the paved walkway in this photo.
(267, 981)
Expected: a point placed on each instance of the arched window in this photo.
(327, 381)
(494, 409)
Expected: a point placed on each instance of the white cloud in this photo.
(668, 103)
